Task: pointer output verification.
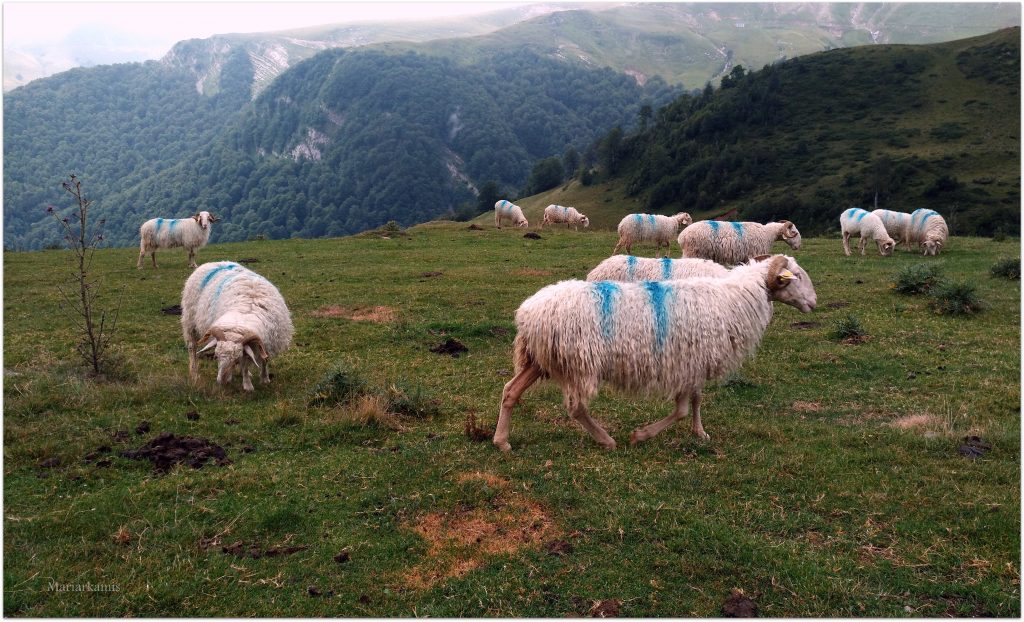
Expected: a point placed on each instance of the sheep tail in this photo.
(521, 357)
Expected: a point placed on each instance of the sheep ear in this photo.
(779, 275)
(196, 217)
(214, 218)
(259, 345)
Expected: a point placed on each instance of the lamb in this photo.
(559, 213)
(238, 313)
(660, 337)
(192, 233)
(650, 228)
(857, 221)
(630, 268)
(506, 209)
(897, 225)
(732, 243)
(928, 229)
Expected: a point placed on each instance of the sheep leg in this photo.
(509, 398)
(846, 243)
(863, 245)
(620, 244)
(697, 428)
(580, 415)
(192, 258)
(265, 373)
(246, 380)
(142, 255)
(193, 362)
(154, 259)
(653, 429)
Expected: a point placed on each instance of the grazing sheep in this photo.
(650, 228)
(630, 268)
(237, 312)
(192, 233)
(559, 213)
(928, 229)
(660, 337)
(506, 209)
(857, 221)
(897, 225)
(731, 243)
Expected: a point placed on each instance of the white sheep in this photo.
(897, 225)
(650, 228)
(654, 337)
(856, 221)
(554, 214)
(731, 243)
(928, 229)
(631, 268)
(506, 209)
(238, 313)
(192, 233)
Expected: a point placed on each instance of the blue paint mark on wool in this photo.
(630, 267)
(714, 226)
(606, 291)
(650, 220)
(171, 224)
(659, 293)
(159, 223)
(738, 228)
(849, 213)
(861, 214)
(924, 214)
(639, 219)
(666, 268)
(212, 273)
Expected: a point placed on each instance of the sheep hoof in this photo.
(503, 446)
(610, 445)
(702, 435)
(634, 438)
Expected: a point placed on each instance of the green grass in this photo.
(807, 497)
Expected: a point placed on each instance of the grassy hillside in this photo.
(831, 487)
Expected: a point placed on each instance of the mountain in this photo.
(935, 126)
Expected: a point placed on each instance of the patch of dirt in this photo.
(171, 310)
(49, 463)
(248, 260)
(910, 422)
(460, 540)
(856, 340)
(192, 415)
(474, 432)
(531, 272)
(558, 548)
(451, 347)
(377, 315)
(532, 236)
(492, 480)
(839, 304)
(474, 227)
(804, 325)
(806, 407)
(499, 331)
(239, 549)
(342, 557)
(142, 428)
(432, 273)
(605, 609)
(973, 447)
(739, 605)
(167, 450)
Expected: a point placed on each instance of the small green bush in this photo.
(338, 386)
(411, 402)
(918, 279)
(848, 327)
(955, 298)
(1007, 268)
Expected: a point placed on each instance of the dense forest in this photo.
(905, 127)
(339, 143)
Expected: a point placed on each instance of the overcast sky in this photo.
(161, 24)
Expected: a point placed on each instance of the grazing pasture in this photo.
(875, 476)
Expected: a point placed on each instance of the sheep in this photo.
(928, 229)
(650, 228)
(238, 313)
(857, 221)
(897, 225)
(192, 233)
(732, 243)
(506, 209)
(654, 337)
(559, 213)
(630, 268)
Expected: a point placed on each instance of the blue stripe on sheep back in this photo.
(714, 224)
(606, 292)
(660, 294)
(666, 268)
(630, 267)
(738, 228)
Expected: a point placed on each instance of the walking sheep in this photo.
(660, 337)
(928, 229)
(857, 221)
(897, 225)
(731, 243)
(506, 209)
(238, 313)
(630, 268)
(650, 228)
(559, 213)
(192, 233)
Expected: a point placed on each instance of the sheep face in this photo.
(683, 219)
(791, 235)
(585, 222)
(885, 248)
(523, 223)
(789, 284)
(931, 247)
(229, 356)
(204, 219)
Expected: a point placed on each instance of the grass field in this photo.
(832, 484)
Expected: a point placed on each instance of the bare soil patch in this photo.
(911, 422)
(377, 315)
(738, 605)
(451, 347)
(804, 325)
(171, 310)
(806, 407)
(476, 433)
(167, 450)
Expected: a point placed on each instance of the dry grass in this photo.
(377, 315)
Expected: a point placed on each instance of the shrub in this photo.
(411, 401)
(955, 298)
(338, 386)
(917, 279)
(848, 328)
(1007, 268)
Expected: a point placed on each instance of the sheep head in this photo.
(204, 219)
(230, 349)
(523, 223)
(788, 283)
(885, 247)
(683, 219)
(791, 235)
(932, 247)
(585, 221)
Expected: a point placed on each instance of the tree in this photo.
(609, 152)
(571, 161)
(546, 174)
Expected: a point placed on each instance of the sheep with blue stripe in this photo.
(732, 243)
(897, 225)
(631, 268)
(237, 313)
(192, 233)
(650, 228)
(554, 214)
(655, 337)
(507, 210)
(857, 221)
(928, 229)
